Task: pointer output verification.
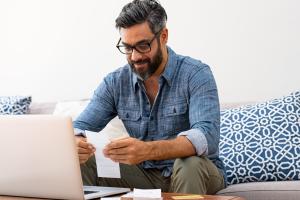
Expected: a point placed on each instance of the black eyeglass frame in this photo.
(135, 46)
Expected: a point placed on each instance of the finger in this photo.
(118, 143)
(120, 151)
(84, 157)
(86, 145)
(81, 155)
(118, 157)
(105, 152)
(121, 161)
(83, 160)
(84, 151)
(80, 138)
(83, 139)
(119, 138)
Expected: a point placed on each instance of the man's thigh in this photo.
(132, 176)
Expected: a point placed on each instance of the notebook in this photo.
(39, 159)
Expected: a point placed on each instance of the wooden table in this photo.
(166, 196)
(173, 196)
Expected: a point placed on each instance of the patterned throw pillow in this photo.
(261, 142)
(14, 105)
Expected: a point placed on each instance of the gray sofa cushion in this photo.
(42, 108)
(276, 190)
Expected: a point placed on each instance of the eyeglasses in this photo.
(143, 47)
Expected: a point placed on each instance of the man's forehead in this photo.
(135, 33)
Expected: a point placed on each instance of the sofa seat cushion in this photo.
(70, 108)
(276, 190)
(42, 108)
(14, 105)
(261, 142)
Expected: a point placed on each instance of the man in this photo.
(169, 106)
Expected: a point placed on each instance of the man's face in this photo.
(143, 65)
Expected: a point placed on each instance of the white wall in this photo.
(61, 49)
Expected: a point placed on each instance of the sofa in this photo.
(259, 144)
(260, 147)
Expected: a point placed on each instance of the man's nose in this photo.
(135, 55)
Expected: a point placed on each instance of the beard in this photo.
(152, 65)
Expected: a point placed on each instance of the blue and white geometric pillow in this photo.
(261, 142)
(14, 105)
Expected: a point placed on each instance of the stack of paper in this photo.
(144, 194)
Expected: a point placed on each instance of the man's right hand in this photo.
(85, 149)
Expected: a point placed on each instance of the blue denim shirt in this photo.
(186, 104)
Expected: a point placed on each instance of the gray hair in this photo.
(140, 11)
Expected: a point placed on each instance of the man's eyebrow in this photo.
(139, 42)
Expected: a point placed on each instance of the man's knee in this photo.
(196, 175)
(190, 168)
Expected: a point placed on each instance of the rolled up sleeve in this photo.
(198, 139)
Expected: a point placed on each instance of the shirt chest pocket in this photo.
(131, 120)
(175, 118)
(174, 110)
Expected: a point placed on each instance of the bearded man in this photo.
(169, 106)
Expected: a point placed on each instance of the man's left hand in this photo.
(128, 151)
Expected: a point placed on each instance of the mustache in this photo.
(141, 61)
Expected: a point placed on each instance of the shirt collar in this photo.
(171, 66)
(168, 72)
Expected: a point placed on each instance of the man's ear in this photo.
(164, 36)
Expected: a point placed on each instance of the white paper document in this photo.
(110, 198)
(115, 129)
(147, 193)
(105, 166)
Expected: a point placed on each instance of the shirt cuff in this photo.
(198, 139)
(79, 132)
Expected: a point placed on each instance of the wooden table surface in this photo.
(180, 196)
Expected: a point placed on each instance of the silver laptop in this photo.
(39, 159)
